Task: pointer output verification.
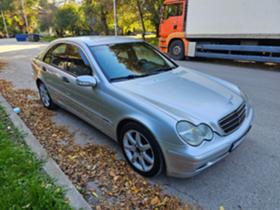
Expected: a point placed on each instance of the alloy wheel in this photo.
(138, 150)
(44, 95)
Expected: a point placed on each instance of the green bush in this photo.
(23, 184)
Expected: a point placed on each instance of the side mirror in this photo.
(86, 81)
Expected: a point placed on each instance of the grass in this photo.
(153, 41)
(48, 38)
(23, 184)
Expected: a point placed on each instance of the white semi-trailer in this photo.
(239, 29)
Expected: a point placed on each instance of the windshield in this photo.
(130, 60)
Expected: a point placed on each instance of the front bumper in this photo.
(187, 161)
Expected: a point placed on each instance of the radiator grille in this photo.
(232, 121)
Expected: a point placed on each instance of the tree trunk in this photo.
(104, 20)
(141, 19)
(5, 25)
(157, 30)
(24, 16)
(116, 17)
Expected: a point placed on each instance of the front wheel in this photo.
(177, 50)
(141, 150)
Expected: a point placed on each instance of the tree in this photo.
(128, 17)
(139, 6)
(46, 15)
(140, 15)
(25, 15)
(103, 16)
(89, 17)
(97, 13)
(5, 5)
(153, 8)
(67, 18)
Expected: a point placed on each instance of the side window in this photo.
(56, 56)
(180, 9)
(173, 10)
(77, 63)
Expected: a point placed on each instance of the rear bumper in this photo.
(188, 161)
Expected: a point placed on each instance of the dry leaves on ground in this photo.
(119, 186)
(2, 64)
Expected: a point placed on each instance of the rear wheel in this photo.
(45, 96)
(177, 50)
(141, 150)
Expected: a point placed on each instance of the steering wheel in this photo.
(142, 62)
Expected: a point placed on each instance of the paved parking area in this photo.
(248, 179)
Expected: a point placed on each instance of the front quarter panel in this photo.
(128, 107)
(36, 68)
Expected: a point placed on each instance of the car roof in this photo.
(100, 40)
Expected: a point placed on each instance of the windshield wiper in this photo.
(132, 76)
(157, 71)
(166, 69)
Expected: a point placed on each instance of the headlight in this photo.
(192, 134)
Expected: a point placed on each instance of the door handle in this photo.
(65, 79)
(174, 27)
(44, 68)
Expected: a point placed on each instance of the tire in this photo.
(176, 50)
(45, 96)
(145, 157)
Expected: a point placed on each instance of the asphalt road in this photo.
(247, 179)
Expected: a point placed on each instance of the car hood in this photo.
(185, 95)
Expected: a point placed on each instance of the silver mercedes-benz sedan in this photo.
(165, 117)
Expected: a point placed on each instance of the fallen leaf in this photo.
(120, 187)
(94, 194)
(112, 174)
(155, 201)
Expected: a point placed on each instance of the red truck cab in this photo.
(172, 29)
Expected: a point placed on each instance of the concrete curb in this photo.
(50, 167)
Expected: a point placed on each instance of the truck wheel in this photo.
(177, 50)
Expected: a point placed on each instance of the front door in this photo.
(86, 102)
(52, 68)
(172, 20)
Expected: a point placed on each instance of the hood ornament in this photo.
(230, 100)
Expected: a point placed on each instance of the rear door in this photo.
(54, 62)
